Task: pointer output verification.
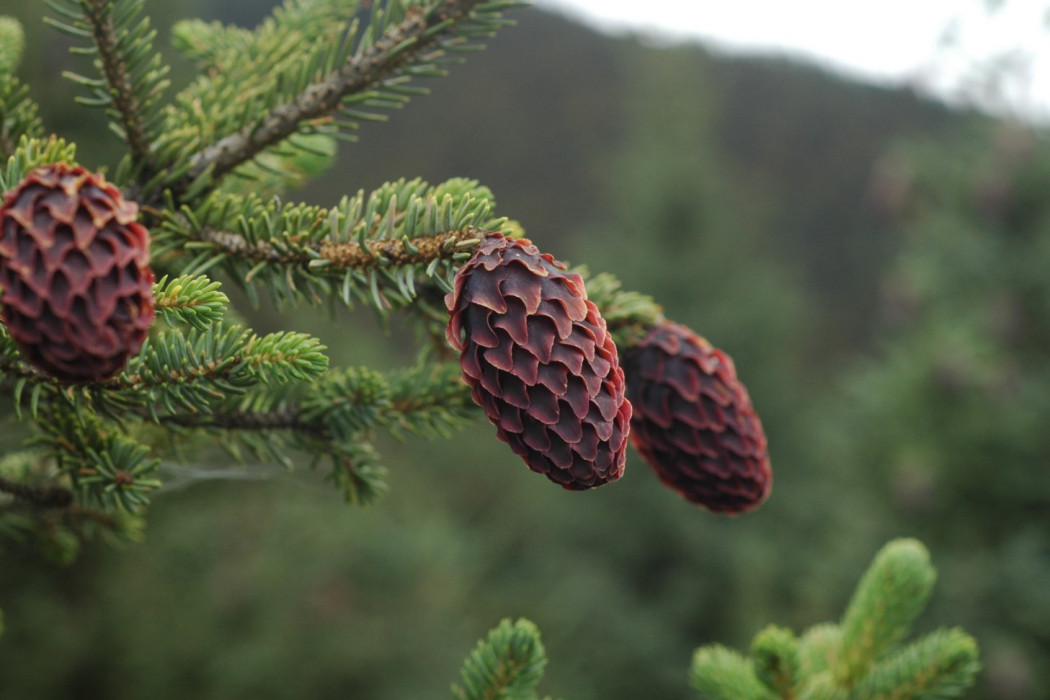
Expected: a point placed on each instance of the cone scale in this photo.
(540, 362)
(77, 288)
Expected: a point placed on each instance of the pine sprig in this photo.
(108, 470)
(33, 152)
(191, 300)
(121, 476)
(888, 598)
(12, 366)
(629, 315)
(819, 648)
(347, 402)
(18, 112)
(29, 387)
(508, 665)
(285, 357)
(132, 76)
(370, 249)
(775, 657)
(943, 664)
(12, 45)
(259, 70)
(18, 116)
(718, 673)
(427, 401)
(215, 46)
(354, 69)
(334, 418)
(269, 425)
(193, 372)
(42, 504)
(860, 659)
(355, 472)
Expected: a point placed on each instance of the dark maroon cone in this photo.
(539, 360)
(77, 289)
(693, 421)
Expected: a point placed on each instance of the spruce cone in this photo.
(77, 291)
(693, 421)
(539, 360)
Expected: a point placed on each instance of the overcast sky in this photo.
(894, 40)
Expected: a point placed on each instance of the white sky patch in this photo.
(940, 46)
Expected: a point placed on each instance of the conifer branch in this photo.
(99, 14)
(133, 76)
(943, 664)
(371, 249)
(776, 662)
(420, 31)
(18, 113)
(108, 469)
(196, 301)
(195, 371)
(355, 473)
(718, 673)
(892, 593)
(12, 366)
(288, 417)
(17, 376)
(427, 401)
(335, 417)
(628, 315)
(819, 647)
(204, 42)
(344, 255)
(859, 660)
(18, 116)
(12, 46)
(508, 664)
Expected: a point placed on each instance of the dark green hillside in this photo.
(540, 115)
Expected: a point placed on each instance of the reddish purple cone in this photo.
(77, 289)
(539, 360)
(693, 421)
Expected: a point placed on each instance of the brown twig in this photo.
(99, 14)
(287, 418)
(39, 496)
(347, 254)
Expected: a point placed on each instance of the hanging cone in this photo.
(540, 362)
(77, 289)
(693, 421)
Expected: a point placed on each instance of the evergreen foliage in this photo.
(209, 164)
(507, 665)
(860, 657)
(18, 112)
(204, 166)
(947, 415)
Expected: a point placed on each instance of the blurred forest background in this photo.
(876, 263)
